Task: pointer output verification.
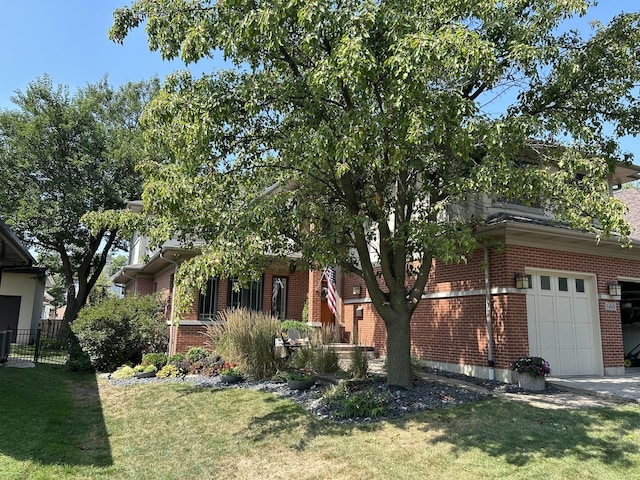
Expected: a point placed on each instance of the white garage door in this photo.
(563, 326)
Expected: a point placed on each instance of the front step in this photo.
(345, 350)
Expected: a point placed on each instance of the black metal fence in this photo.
(47, 344)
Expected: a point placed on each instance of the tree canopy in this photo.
(64, 155)
(348, 129)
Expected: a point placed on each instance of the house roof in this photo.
(166, 256)
(631, 197)
(12, 252)
(521, 229)
(625, 173)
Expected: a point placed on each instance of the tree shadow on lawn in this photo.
(52, 416)
(286, 420)
(521, 433)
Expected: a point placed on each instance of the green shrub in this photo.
(123, 373)
(138, 368)
(247, 338)
(316, 358)
(176, 358)
(150, 369)
(195, 354)
(78, 360)
(325, 360)
(356, 404)
(117, 331)
(302, 358)
(157, 359)
(168, 371)
(359, 363)
(301, 327)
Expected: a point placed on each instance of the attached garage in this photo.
(563, 322)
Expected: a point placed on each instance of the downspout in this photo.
(173, 296)
(488, 313)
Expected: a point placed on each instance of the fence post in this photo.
(36, 353)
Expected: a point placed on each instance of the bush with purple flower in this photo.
(534, 366)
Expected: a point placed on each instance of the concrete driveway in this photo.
(625, 387)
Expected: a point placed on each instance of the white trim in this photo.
(204, 323)
(629, 279)
(449, 294)
(606, 296)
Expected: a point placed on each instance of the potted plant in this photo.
(230, 373)
(531, 372)
(299, 379)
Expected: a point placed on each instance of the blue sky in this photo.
(67, 39)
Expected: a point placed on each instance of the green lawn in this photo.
(55, 424)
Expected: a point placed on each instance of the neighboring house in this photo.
(22, 285)
(281, 291)
(548, 291)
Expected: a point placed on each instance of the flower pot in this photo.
(300, 384)
(529, 382)
(145, 374)
(230, 378)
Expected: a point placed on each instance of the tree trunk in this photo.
(399, 350)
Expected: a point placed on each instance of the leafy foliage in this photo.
(357, 403)
(195, 354)
(368, 122)
(154, 358)
(176, 358)
(68, 154)
(124, 372)
(168, 371)
(534, 366)
(118, 331)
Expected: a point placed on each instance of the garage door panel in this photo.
(545, 308)
(586, 362)
(562, 324)
(547, 335)
(568, 361)
(584, 336)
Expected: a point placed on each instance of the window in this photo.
(563, 284)
(279, 297)
(249, 297)
(579, 285)
(208, 305)
(545, 282)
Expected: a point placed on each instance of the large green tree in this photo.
(371, 119)
(63, 155)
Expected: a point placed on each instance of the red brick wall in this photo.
(453, 330)
(187, 336)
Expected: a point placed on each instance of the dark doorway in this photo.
(9, 312)
(630, 315)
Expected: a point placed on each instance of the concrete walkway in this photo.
(15, 363)
(625, 387)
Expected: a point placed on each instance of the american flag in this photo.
(331, 289)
